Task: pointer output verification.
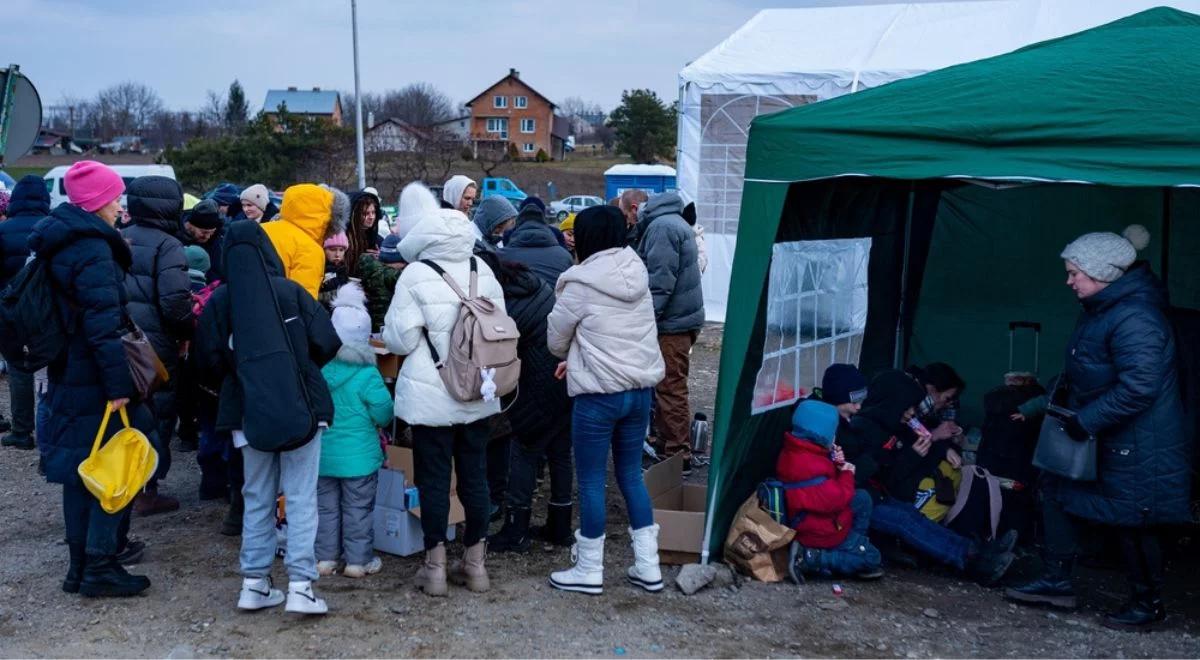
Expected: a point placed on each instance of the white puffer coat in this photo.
(423, 300)
(603, 323)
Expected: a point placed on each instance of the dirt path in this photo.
(190, 609)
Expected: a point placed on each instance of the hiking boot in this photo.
(232, 524)
(1053, 587)
(18, 441)
(987, 568)
(104, 577)
(514, 535)
(431, 577)
(587, 575)
(132, 553)
(302, 600)
(470, 572)
(645, 572)
(74, 568)
(557, 530)
(151, 503)
(362, 570)
(259, 594)
(1141, 613)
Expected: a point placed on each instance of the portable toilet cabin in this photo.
(651, 178)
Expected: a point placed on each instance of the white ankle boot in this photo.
(259, 594)
(645, 571)
(302, 600)
(587, 576)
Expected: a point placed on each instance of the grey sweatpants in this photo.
(294, 473)
(345, 520)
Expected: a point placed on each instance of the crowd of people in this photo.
(265, 318)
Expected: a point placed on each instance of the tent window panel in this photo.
(816, 316)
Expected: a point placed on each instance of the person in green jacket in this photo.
(379, 275)
(350, 451)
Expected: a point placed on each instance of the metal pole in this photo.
(6, 104)
(901, 344)
(358, 118)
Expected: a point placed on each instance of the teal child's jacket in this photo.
(350, 446)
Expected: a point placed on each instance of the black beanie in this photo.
(205, 215)
(843, 383)
(599, 228)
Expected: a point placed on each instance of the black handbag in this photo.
(148, 372)
(1060, 454)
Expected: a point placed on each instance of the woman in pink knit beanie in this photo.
(95, 188)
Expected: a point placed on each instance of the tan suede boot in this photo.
(431, 577)
(470, 572)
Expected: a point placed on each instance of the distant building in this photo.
(395, 135)
(55, 143)
(512, 112)
(308, 103)
(459, 127)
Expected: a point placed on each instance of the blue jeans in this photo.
(855, 554)
(901, 520)
(267, 474)
(601, 421)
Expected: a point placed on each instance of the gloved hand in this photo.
(1075, 429)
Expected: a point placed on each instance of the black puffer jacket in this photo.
(878, 442)
(1123, 381)
(533, 243)
(88, 261)
(541, 398)
(160, 294)
(29, 203)
(241, 341)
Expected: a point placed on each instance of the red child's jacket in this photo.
(827, 505)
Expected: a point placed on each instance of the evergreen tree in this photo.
(645, 127)
(237, 111)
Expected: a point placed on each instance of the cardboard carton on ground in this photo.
(397, 525)
(401, 458)
(678, 510)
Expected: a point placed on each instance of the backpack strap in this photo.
(474, 288)
(450, 280)
(793, 485)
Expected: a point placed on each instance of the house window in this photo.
(498, 125)
(499, 101)
(529, 147)
(528, 125)
(521, 102)
(816, 316)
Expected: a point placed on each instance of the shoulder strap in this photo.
(793, 485)
(450, 280)
(474, 286)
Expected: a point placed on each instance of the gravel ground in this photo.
(190, 609)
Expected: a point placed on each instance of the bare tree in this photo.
(126, 108)
(493, 156)
(212, 113)
(420, 104)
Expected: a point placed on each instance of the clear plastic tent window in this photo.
(816, 316)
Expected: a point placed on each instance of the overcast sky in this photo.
(182, 48)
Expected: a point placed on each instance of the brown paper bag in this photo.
(757, 545)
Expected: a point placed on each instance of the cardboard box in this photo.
(388, 364)
(397, 523)
(678, 510)
(401, 458)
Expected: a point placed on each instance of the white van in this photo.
(58, 190)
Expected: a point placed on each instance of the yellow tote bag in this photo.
(116, 472)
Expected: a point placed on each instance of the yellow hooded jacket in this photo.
(299, 234)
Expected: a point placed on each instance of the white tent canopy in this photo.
(787, 57)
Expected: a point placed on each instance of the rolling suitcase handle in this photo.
(1013, 326)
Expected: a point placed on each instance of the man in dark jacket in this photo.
(668, 246)
(160, 303)
(29, 203)
(266, 338)
(533, 244)
(205, 226)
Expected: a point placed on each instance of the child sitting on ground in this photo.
(830, 517)
(350, 451)
(337, 272)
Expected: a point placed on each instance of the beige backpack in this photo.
(482, 362)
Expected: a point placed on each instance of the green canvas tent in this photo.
(968, 181)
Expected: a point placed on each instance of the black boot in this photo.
(988, 565)
(1141, 613)
(558, 530)
(802, 562)
(1143, 559)
(232, 525)
(514, 536)
(75, 568)
(1053, 587)
(104, 577)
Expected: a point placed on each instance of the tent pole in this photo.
(1166, 238)
(898, 355)
(708, 516)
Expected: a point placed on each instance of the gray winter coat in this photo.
(160, 294)
(667, 244)
(1122, 377)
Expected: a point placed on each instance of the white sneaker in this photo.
(645, 572)
(302, 600)
(587, 575)
(362, 570)
(259, 594)
(326, 568)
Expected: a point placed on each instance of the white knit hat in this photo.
(350, 317)
(257, 195)
(416, 201)
(1105, 256)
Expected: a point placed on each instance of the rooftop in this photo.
(302, 101)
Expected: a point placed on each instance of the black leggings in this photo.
(1140, 547)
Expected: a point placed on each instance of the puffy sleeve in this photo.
(96, 288)
(1136, 344)
(563, 320)
(174, 290)
(404, 321)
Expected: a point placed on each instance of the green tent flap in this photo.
(952, 263)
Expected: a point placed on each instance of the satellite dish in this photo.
(20, 114)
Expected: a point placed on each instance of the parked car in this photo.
(568, 205)
(56, 178)
(123, 144)
(501, 187)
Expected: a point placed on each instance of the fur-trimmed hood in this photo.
(320, 211)
(357, 354)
